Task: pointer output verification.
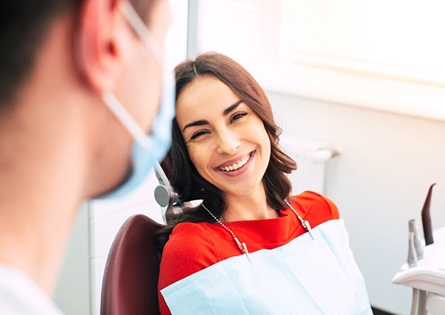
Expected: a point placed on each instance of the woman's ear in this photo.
(98, 46)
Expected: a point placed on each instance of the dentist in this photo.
(80, 117)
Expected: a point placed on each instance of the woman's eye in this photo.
(238, 116)
(198, 134)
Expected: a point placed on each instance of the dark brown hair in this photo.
(23, 27)
(186, 181)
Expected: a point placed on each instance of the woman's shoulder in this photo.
(192, 242)
(189, 249)
(316, 206)
(188, 234)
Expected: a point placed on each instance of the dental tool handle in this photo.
(160, 175)
(418, 245)
(412, 256)
(426, 218)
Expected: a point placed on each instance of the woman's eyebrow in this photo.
(201, 122)
(195, 123)
(231, 108)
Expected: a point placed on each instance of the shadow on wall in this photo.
(377, 311)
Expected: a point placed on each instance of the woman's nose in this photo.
(228, 143)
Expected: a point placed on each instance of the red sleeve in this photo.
(188, 250)
(316, 208)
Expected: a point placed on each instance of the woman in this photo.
(249, 247)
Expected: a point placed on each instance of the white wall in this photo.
(379, 181)
(72, 294)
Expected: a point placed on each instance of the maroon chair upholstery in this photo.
(130, 280)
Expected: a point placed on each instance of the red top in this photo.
(196, 246)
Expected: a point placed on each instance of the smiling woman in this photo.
(241, 249)
(224, 138)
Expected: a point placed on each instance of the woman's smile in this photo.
(237, 167)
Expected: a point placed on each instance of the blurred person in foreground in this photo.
(80, 117)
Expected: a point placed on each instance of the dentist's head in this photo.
(81, 88)
(142, 96)
(147, 149)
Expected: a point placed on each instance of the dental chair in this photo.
(130, 282)
(131, 273)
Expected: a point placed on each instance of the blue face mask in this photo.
(147, 150)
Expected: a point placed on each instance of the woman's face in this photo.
(226, 140)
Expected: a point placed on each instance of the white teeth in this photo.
(235, 166)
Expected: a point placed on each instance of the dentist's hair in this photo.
(186, 180)
(23, 28)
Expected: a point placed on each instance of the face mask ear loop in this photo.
(141, 30)
(125, 118)
(112, 102)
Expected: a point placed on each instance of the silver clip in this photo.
(243, 248)
(309, 229)
(246, 252)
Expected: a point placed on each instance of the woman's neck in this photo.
(248, 207)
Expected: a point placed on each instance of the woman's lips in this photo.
(237, 164)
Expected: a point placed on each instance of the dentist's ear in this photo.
(98, 43)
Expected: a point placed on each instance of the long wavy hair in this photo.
(186, 180)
